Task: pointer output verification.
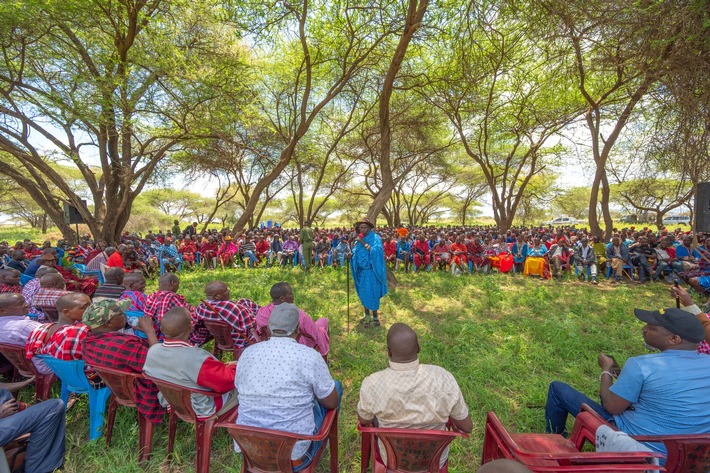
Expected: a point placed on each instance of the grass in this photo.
(504, 337)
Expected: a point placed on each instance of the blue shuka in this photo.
(368, 268)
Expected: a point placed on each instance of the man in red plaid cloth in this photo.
(165, 298)
(105, 346)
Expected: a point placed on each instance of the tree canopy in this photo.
(402, 109)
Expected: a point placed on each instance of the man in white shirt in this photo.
(409, 394)
(286, 386)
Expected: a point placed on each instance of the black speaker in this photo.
(702, 207)
(71, 214)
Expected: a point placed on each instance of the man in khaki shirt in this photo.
(409, 394)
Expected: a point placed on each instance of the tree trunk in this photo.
(659, 219)
(413, 21)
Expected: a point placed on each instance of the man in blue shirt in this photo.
(659, 394)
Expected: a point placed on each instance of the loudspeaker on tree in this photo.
(71, 214)
(702, 207)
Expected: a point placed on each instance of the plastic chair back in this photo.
(12, 454)
(121, 383)
(24, 279)
(554, 453)
(407, 450)
(686, 453)
(51, 313)
(222, 333)
(16, 355)
(74, 381)
(122, 386)
(179, 398)
(181, 406)
(266, 450)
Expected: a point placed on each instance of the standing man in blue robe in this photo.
(368, 268)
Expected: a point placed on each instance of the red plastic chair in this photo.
(554, 453)
(14, 452)
(122, 386)
(6, 368)
(686, 453)
(51, 313)
(43, 382)
(408, 450)
(180, 406)
(269, 451)
(222, 333)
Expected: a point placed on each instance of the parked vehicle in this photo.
(676, 220)
(562, 221)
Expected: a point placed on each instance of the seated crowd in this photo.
(280, 379)
(544, 252)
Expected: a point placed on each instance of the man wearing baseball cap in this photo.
(286, 386)
(658, 394)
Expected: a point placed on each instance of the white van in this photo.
(676, 220)
(562, 221)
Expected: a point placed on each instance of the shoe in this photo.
(364, 321)
(376, 322)
(594, 281)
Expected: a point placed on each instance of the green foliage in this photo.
(504, 337)
(573, 202)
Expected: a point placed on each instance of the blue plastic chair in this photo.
(627, 269)
(24, 279)
(576, 271)
(83, 272)
(74, 381)
(136, 313)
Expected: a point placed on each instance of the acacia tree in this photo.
(655, 194)
(617, 52)
(111, 89)
(681, 138)
(240, 157)
(322, 166)
(423, 192)
(416, 136)
(307, 57)
(413, 18)
(573, 201)
(503, 96)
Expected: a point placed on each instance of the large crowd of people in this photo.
(282, 380)
(641, 255)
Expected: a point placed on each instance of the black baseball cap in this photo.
(677, 321)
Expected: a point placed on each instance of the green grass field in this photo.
(504, 337)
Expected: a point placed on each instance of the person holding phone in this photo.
(658, 394)
(683, 299)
